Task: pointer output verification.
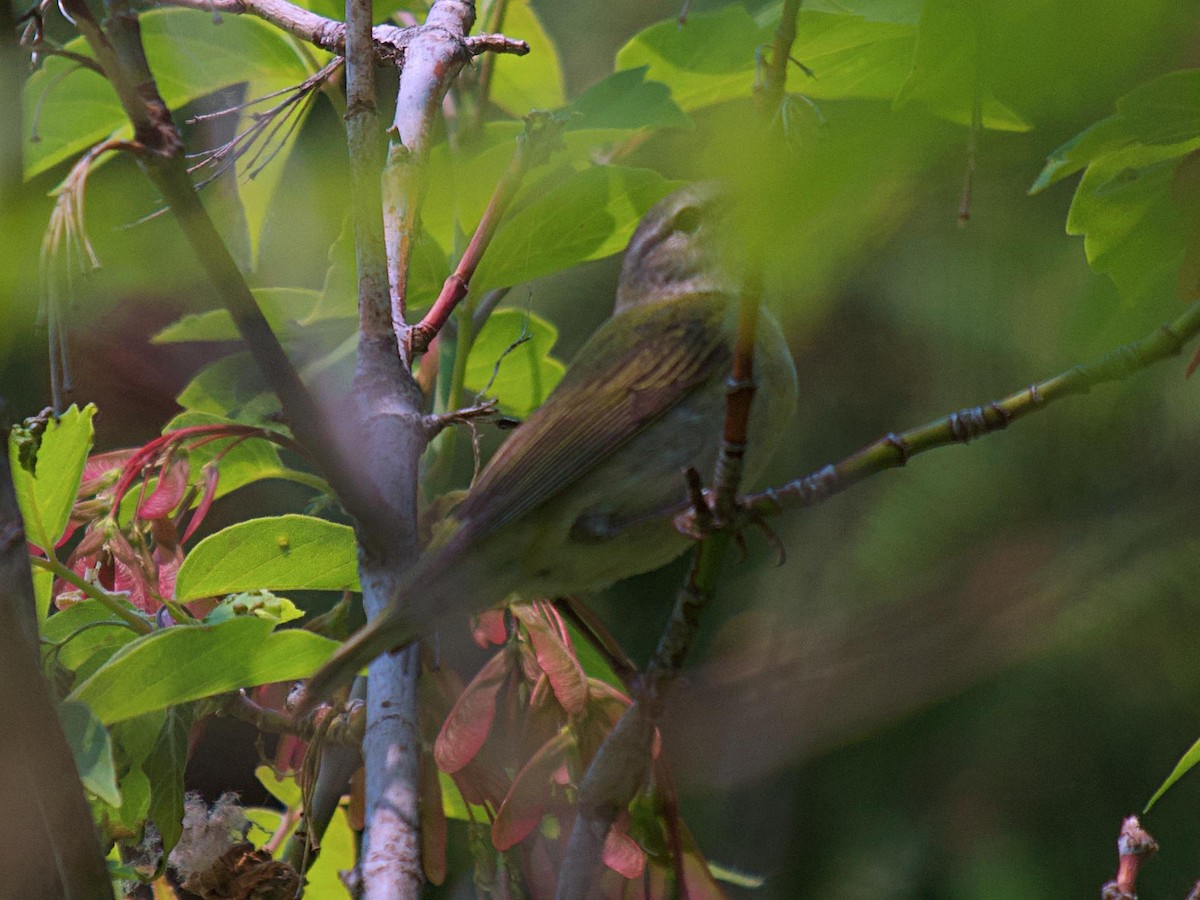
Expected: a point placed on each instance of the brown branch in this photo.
(532, 148)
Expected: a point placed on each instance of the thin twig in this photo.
(531, 148)
(115, 604)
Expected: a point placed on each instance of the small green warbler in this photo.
(583, 492)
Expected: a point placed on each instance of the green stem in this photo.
(114, 604)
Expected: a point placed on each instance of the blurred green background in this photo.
(969, 670)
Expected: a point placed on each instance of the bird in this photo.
(584, 491)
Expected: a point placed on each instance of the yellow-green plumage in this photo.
(583, 493)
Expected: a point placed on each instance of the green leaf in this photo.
(852, 56)
(710, 60)
(1135, 203)
(78, 631)
(1156, 121)
(46, 498)
(1185, 765)
(526, 374)
(176, 665)
(233, 388)
(164, 768)
(279, 553)
(949, 71)
(1133, 227)
(43, 587)
(854, 50)
(534, 81)
(339, 853)
(135, 798)
(135, 739)
(91, 746)
(455, 806)
(588, 216)
(427, 271)
(190, 57)
(282, 307)
(285, 790)
(625, 100)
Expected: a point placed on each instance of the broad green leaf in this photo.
(1155, 121)
(710, 60)
(46, 497)
(949, 71)
(190, 57)
(135, 798)
(427, 271)
(588, 216)
(459, 188)
(852, 53)
(1185, 765)
(281, 306)
(164, 769)
(625, 100)
(534, 81)
(285, 790)
(183, 663)
(339, 853)
(76, 633)
(135, 739)
(92, 748)
(232, 387)
(1132, 225)
(522, 377)
(278, 553)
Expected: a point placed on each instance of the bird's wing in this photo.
(633, 370)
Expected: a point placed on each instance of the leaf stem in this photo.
(113, 603)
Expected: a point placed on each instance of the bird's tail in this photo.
(386, 632)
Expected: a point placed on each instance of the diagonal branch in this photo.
(894, 450)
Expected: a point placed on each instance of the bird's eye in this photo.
(687, 219)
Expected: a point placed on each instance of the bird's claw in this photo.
(702, 519)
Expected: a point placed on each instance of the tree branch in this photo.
(391, 428)
(894, 450)
(432, 62)
(390, 41)
(532, 148)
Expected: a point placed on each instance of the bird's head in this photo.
(678, 248)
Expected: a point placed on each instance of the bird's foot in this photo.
(703, 517)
